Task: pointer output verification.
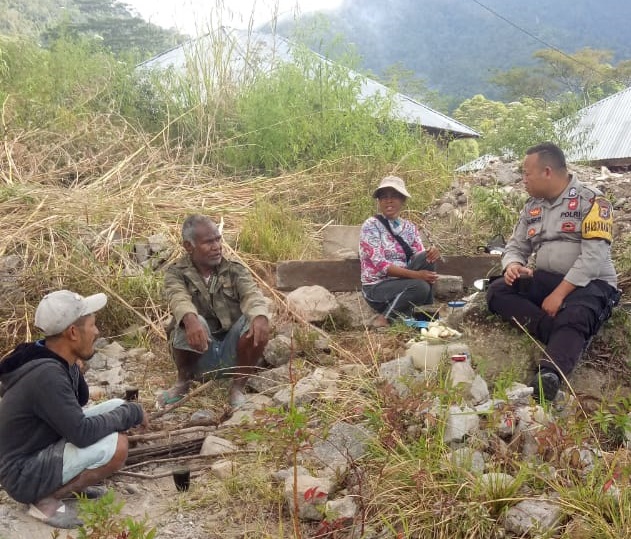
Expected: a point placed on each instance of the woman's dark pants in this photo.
(399, 297)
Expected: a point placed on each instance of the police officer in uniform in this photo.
(568, 227)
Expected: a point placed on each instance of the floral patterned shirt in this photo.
(378, 249)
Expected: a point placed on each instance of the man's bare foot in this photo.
(55, 513)
(173, 395)
(48, 506)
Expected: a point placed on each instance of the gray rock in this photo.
(158, 243)
(581, 459)
(310, 496)
(461, 421)
(445, 209)
(533, 517)
(355, 308)
(461, 372)
(320, 383)
(400, 373)
(345, 441)
(519, 394)
(223, 469)
(314, 303)
(341, 509)
(479, 391)
(489, 406)
(278, 351)
(142, 252)
(114, 350)
(280, 475)
(214, 446)
(269, 381)
(204, 416)
(468, 459)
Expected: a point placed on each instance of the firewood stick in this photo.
(166, 433)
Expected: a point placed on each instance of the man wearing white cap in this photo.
(50, 447)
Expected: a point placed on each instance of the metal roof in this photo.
(478, 164)
(250, 51)
(606, 127)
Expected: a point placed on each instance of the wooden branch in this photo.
(187, 457)
(171, 459)
(167, 434)
(183, 400)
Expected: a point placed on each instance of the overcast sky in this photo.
(193, 16)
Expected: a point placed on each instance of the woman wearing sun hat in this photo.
(397, 272)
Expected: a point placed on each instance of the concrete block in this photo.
(334, 275)
(343, 275)
(448, 287)
(340, 239)
(470, 267)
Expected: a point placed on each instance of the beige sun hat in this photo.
(395, 183)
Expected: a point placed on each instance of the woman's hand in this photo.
(433, 254)
(427, 276)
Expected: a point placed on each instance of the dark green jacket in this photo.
(230, 293)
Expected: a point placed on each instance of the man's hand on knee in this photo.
(259, 331)
(195, 333)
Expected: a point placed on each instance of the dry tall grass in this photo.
(71, 210)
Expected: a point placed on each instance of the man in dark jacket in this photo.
(50, 447)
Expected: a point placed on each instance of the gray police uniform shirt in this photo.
(570, 235)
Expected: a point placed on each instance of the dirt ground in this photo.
(211, 509)
(231, 509)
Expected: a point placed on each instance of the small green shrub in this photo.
(102, 520)
(274, 233)
(496, 209)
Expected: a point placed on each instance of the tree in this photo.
(403, 80)
(587, 75)
(509, 129)
(112, 24)
(520, 82)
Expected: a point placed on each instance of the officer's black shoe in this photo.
(546, 385)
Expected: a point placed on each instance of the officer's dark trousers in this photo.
(566, 334)
(398, 296)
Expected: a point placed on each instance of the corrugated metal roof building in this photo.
(248, 52)
(603, 131)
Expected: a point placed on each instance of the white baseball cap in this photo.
(392, 181)
(58, 310)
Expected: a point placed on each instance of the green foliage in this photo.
(311, 110)
(272, 232)
(510, 129)
(108, 21)
(462, 151)
(496, 208)
(56, 88)
(102, 520)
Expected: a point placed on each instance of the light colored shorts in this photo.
(77, 459)
(221, 356)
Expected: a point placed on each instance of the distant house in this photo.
(250, 52)
(603, 132)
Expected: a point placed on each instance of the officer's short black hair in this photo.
(549, 154)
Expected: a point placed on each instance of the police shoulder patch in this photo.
(598, 223)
